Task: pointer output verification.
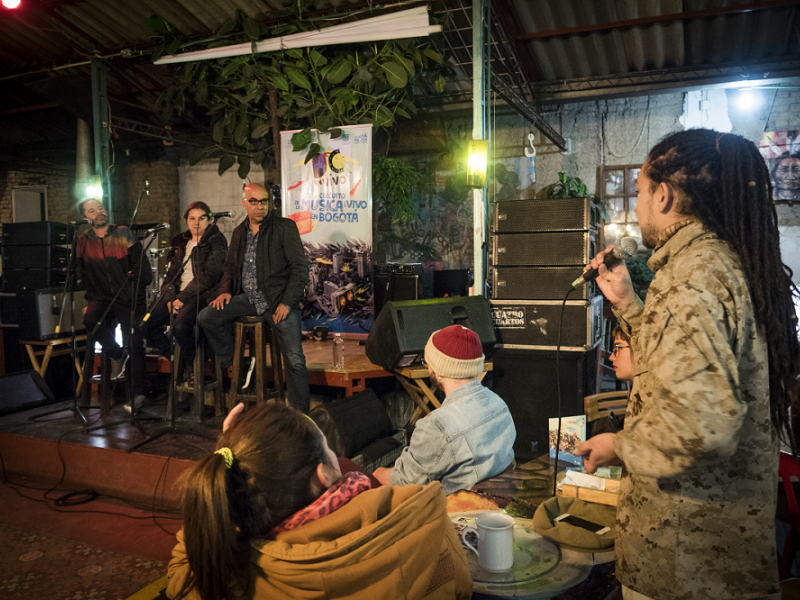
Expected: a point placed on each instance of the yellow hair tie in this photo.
(227, 455)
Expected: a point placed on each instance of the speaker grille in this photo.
(541, 249)
(521, 216)
(539, 283)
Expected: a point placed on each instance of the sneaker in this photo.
(248, 373)
(189, 379)
(118, 366)
(138, 401)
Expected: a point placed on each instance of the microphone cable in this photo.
(558, 388)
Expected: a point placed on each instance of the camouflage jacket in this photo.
(697, 503)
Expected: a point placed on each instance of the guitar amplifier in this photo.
(534, 324)
(40, 312)
(553, 214)
(539, 283)
(37, 233)
(35, 257)
(541, 249)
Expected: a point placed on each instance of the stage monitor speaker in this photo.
(527, 381)
(351, 424)
(402, 329)
(23, 391)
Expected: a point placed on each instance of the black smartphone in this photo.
(582, 523)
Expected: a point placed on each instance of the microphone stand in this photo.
(74, 353)
(172, 396)
(127, 345)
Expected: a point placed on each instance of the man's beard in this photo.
(100, 221)
(649, 236)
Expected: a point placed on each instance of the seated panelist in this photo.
(188, 286)
(270, 515)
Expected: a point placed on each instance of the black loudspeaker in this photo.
(539, 283)
(451, 282)
(20, 280)
(37, 233)
(526, 380)
(556, 214)
(22, 391)
(534, 324)
(540, 249)
(35, 257)
(351, 424)
(40, 312)
(402, 287)
(402, 329)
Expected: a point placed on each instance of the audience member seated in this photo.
(622, 360)
(468, 439)
(269, 515)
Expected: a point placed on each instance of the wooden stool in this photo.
(261, 333)
(103, 378)
(34, 352)
(200, 387)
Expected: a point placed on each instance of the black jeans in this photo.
(182, 328)
(118, 313)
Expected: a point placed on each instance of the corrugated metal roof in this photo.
(608, 52)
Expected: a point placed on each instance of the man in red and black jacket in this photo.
(109, 260)
(266, 272)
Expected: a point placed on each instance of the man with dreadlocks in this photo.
(717, 369)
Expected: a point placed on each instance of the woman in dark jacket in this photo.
(189, 285)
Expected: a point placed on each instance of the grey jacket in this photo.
(697, 499)
(468, 439)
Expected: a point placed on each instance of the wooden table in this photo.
(34, 348)
(319, 361)
(413, 380)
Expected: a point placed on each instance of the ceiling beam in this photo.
(660, 19)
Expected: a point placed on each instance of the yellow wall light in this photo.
(476, 164)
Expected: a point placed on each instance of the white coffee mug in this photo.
(495, 541)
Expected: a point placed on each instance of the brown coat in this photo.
(387, 543)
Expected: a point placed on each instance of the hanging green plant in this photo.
(394, 183)
(322, 88)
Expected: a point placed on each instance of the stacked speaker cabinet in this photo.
(539, 247)
(35, 255)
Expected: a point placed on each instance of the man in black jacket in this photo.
(266, 271)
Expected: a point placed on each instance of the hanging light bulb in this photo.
(11, 3)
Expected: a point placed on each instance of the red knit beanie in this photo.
(455, 352)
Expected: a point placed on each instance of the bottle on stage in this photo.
(338, 352)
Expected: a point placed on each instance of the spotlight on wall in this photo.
(476, 164)
(11, 3)
(748, 99)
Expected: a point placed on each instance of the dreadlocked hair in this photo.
(723, 181)
(276, 450)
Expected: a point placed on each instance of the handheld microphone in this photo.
(82, 222)
(147, 186)
(158, 228)
(218, 215)
(622, 250)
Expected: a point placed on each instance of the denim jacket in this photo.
(468, 439)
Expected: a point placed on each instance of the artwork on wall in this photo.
(781, 150)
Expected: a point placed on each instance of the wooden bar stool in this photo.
(260, 334)
(103, 379)
(200, 387)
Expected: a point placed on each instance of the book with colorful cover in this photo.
(573, 432)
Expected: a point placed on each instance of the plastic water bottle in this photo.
(338, 352)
